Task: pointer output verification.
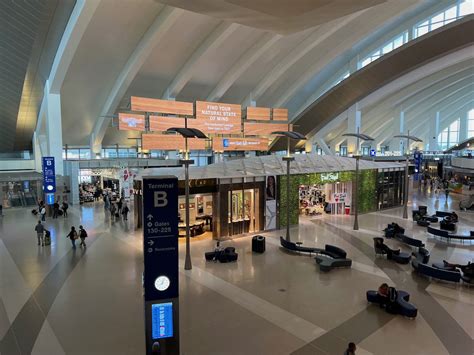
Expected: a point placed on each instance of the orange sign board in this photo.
(171, 142)
(258, 113)
(162, 106)
(226, 144)
(131, 122)
(263, 129)
(280, 114)
(218, 118)
(162, 123)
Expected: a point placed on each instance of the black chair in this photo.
(378, 246)
(332, 257)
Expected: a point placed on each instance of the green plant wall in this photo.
(367, 192)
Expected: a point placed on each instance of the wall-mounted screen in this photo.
(220, 144)
(258, 113)
(218, 118)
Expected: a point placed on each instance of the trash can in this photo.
(347, 210)
(258, 244)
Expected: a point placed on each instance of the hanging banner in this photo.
(263, 129)
(280, 114)
(162, 106)
(239, 144)
(258, 113)
(170, 142)
(218, 118)
(131, 122)
(162, 123)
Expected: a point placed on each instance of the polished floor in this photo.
(58, 301)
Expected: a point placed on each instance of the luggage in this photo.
(47, 238)
(60, 213)
(35, 212)
(117, 215)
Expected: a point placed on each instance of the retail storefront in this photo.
(249, 195)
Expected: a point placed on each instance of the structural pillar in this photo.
(54, 132)
(322, 144)
(354, 118)
(434, 132)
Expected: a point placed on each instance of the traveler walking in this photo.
(65, 207)
(43, 212)
(106, 201)
(119, 205)
(83, 236)
(39, 228)
(55, 209)
(73, 236)
(125, 211)
(446, 192)
(113, 210)
(351, 349)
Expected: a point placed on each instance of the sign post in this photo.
(49, 175)
(160, 248)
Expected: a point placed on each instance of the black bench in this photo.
(226, 255)
(297, 248)
(446, 235)
(392, 254)
(393, 229)
(443, 214)
(332, 257)
(409, 240)
(405, 308)
(422, 255)
(440, 274)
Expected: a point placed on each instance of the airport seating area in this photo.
(396, 255)
(403, 306)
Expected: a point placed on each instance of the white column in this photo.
(353, 126)
(434, 132)
(324, 147)
(463, 126)
(54, 133)
(37, 152)
(398, 144)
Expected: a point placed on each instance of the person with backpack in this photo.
(39, 229)
(47, 237)
(65, 207)
(83, 236)
(125, 211)
(73, 236)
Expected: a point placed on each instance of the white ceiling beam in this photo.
(322, 33)
(213, 40)
(244, 62)
(78, 21)
(158, 29)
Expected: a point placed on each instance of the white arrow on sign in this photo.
(149, 217)
(151, 242)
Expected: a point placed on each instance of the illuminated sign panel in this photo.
(131, 122)
(235, 144)
(329, 177)
(263, 129)
(258, 113)
(162, 106)
(218, 118)
(170, 142)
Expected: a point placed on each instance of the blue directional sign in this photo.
(225, 142)
(418, 159)
(160, 237)
(49, 175)
(372, 152)
(162, 320)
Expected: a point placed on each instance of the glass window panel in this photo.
(453, 137)
(465, 8)
(365, 62)
(471, 114)
(398, 42)
(434, 26)
(437, 18)
(422, 30)
(454, 126)
(470, 134)
(470, 125)
(84, 153)
(387, 48)
(450, 13)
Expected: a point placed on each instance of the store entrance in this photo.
(200, 216)
(332, 198)
(244, 207)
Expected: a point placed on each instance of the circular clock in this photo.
(162, 283)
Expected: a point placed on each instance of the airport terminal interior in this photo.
(204, 177)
